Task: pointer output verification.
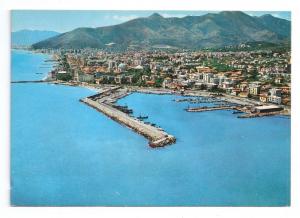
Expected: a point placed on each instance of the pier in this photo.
(199, 100)
(253, 115)
(202, 109)
(104, 103)
(246, 112)
(29, 81)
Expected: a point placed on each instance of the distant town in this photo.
(263, 75)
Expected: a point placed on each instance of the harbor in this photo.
(93, 151)
(109, 94)
(245, 111)
(104, 103)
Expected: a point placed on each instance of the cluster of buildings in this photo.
(261, 75)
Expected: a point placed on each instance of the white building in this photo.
(206, 77)
(137, 62)
(275, 92)
(274, 99)
(139, 67)
(122, 67)
(111, 65)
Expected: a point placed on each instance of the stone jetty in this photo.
(157, 137)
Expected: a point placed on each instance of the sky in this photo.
(63, 21)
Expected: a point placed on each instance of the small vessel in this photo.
(142, 117)
(124, 109)
(237, 112)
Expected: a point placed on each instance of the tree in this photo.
(63, 76)
(158, 82)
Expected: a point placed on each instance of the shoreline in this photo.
(161, 91)
(190, 93)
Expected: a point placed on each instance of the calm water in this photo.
(65, 153)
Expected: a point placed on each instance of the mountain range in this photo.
(29, 37)
(191, 32)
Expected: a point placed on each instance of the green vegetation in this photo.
(108, 80)
(158, 82)
(64, 63)
(253, 76)
(217, 90)
(220, 67)
(64, 76)
(160, 58)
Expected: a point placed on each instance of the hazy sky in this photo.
(63, 21)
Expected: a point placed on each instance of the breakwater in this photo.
(157, 136)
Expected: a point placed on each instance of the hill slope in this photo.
(210, 30)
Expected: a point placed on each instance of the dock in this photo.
(246, 112)
(253, 115)
(157, 137)
(214, 108)
(198, 100)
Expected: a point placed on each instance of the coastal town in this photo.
(252, 83)
(263, 76)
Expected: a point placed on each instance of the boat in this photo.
(237, 112)
(124, 109)
(142, 117)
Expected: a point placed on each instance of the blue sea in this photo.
(66, 153)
